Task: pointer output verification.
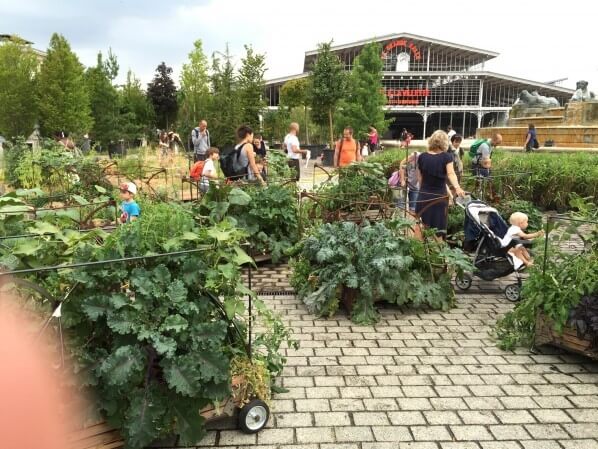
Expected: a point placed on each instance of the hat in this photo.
(128, 187)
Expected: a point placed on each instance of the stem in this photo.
(330, 124)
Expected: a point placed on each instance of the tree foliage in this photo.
(104, 99)
(62, 96)
(362, 105)
(195, 89)
(250, 84)
(137, 114)
(224, 113)
(18, 68)
(327, 87)
(163, 96)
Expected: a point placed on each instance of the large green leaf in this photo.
(238, 197)
(95, 306)
(121, 321)
(142, 419)
(189, 424)
(241, 257)
(164, 345)
(212, 366)
(177, 292)
(174, 323)
(26, 247)
(182, 375)
(122, 365)
(233, 307)
(219, 234)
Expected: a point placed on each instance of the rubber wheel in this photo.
(254, 416)
(513, 292)
(463, 283)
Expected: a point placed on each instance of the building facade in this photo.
(431, 84)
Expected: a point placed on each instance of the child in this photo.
(209, 171)
(519, 222)
(130, 209)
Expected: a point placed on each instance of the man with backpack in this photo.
(480, 153)
(346, 150)
(200, 136)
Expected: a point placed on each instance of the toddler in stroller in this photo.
(485, 233)
(519, 222)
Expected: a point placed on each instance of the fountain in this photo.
(573, 126)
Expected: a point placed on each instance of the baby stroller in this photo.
(484, 228)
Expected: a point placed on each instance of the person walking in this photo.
(373, 139)
(531, 139)
(456, 152)
(346, 150)
(200, 136)
(294, 152)
(246, 155)
(435, 167)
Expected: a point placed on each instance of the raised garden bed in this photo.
(568, 340)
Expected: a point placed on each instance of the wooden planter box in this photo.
(546, 335)
(96, 436)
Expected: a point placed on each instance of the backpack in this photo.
(473, 150)
(340, 149)
(197, 170)
(230, 165)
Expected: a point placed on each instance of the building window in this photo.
(402, 62)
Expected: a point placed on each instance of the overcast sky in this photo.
(537, 40)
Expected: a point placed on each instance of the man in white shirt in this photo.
(294, 152)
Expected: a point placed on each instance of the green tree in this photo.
(327, 87)
(251, 87)
(162, 94)
(224, 113)
(362, 105)
(62, 95)
(18, 67)
(195, 89)
(293, 94)
(104, 99)
(136, 114)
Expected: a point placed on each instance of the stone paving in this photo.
(420, 380)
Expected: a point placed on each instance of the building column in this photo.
(425, 116)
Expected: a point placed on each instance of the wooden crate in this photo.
(546, 335)
(96, 436)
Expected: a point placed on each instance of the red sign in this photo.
(402, 43)
(411, 97)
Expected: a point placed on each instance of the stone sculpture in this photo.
(535, 100)
(582, 93)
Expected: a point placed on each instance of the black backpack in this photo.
(230, 166)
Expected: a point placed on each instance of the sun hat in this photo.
(128, 187)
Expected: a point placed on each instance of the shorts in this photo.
(478, 170)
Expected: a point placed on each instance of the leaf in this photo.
(213, 366)
(80, 200)
(95, 306)
(100, 189)
(233, 307)
(241, 257)
(187, 235)
(121, 321)
(177, 292)
(161, 275)
(189, 424)
(238, 197)
(123, 364)
(43, 227)
(26, 247)
(182, 375)
(228, 270)
(219, 234)
(174, 323)
(142, 419)
(164, 345)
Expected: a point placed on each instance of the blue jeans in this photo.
(413, 194)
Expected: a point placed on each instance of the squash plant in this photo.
(158, 338)
(377, 260)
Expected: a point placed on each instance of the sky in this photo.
(537, 40)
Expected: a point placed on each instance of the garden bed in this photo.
(546, 334)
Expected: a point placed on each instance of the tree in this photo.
(362, 105)
(224, 114)
(195, 89)
(18, 67)
(62, 95)
(294, 93)
(136, 113)
(327, 87)
(104, 99)
(251, 87)
(163, 96)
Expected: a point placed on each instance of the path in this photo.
(420, 380)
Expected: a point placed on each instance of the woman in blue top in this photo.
(434, 168)
(531, 140)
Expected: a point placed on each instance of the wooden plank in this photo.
(99, 441)
(86, 432)
(545, 334)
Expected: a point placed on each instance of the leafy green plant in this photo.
(506, 208)
(378, 261)
(268, 214)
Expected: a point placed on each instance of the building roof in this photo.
(7, 37)
(477, 55)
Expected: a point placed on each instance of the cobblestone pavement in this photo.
(420, 380)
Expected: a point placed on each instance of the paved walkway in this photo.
(420, 380)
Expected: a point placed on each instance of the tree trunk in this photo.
(330, 124)
(306, 125)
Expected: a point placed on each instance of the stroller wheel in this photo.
(513, 292)
(464, 282)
